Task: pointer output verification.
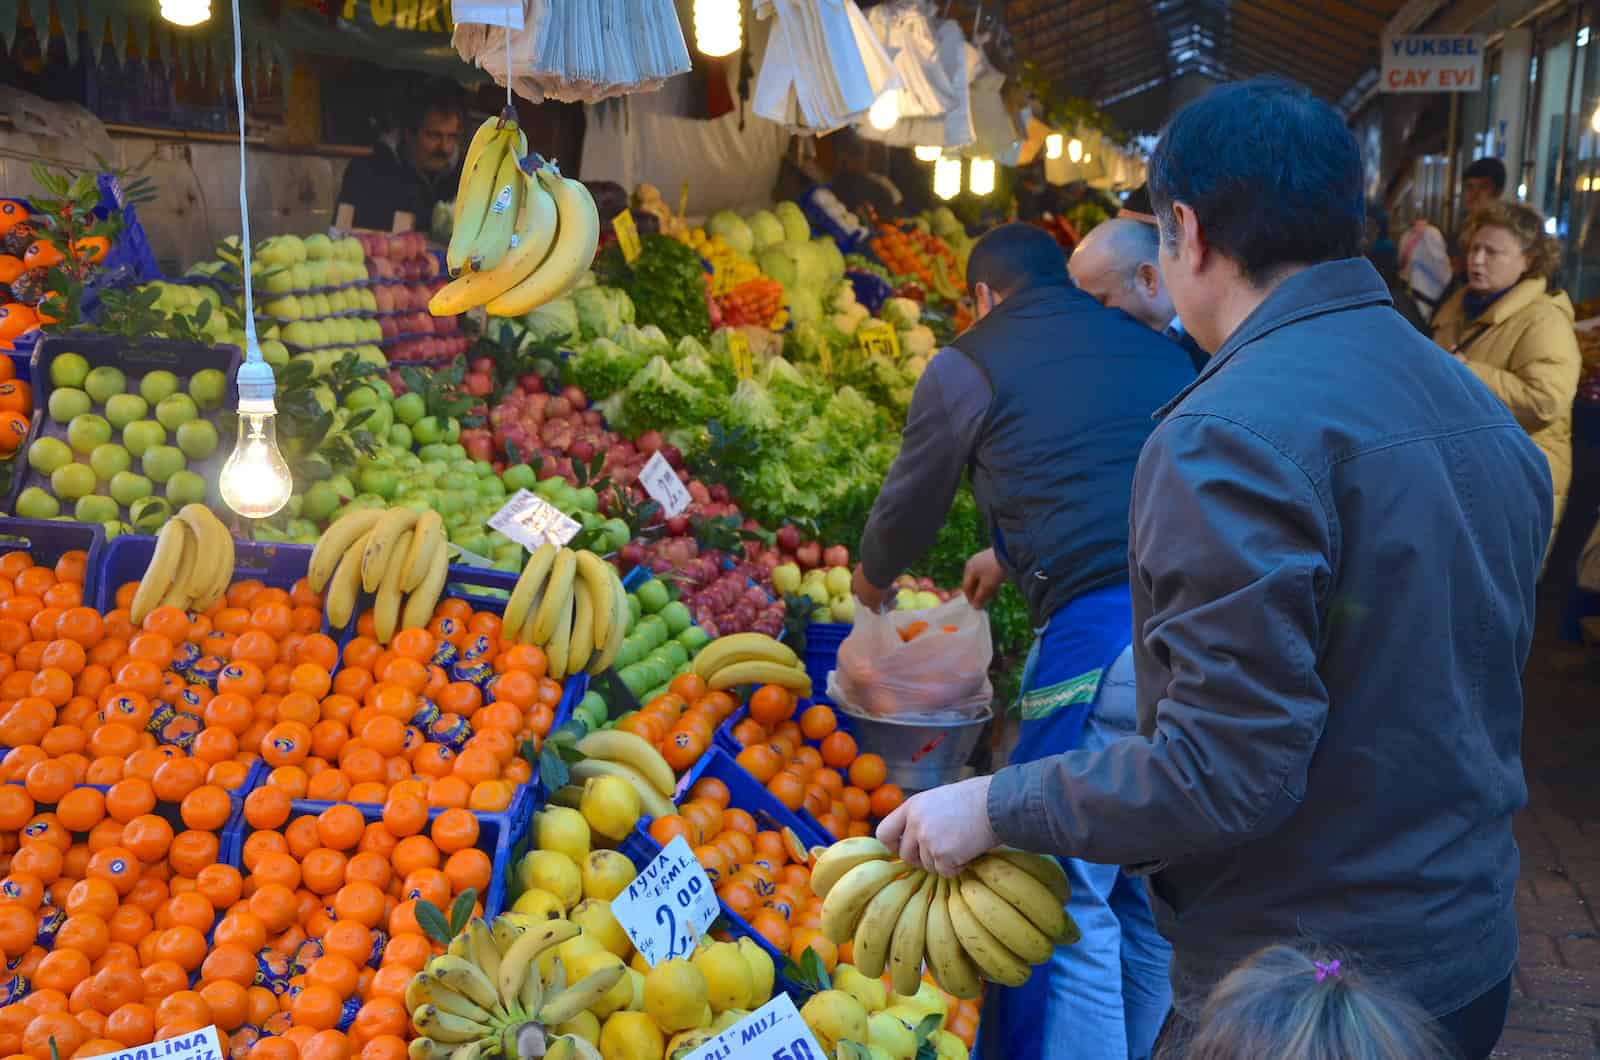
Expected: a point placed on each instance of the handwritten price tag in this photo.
(668, 906)
(663, 485)
(195, 1045)
(739, 349)
(774, 1031)
(627, 236)
(879, 337)
(530, 521)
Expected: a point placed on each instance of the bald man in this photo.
(1115, 264)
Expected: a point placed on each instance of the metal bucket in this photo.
(918, 755)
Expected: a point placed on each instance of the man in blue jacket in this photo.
(1336, 535)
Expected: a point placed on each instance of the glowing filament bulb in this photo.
(255, 481)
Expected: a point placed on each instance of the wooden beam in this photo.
(1285, 27)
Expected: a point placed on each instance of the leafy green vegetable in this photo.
(602, 368)
(666, 284)
(556, 320)
(657, 397)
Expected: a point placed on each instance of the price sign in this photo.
(530, 521)
(663, 485)
(487, 13)
(739, 349)
(627, 236)
(471, 559)
(668, 906)
(879, 337)
(827, 360)
(774, 1031)
(194, 1045)
(683, 200)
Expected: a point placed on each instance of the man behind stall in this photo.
(410, 169)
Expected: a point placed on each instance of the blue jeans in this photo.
(1105, 997)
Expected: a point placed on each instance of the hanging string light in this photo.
(186, 12)
(980, 176)
(1053, 146)
(1075, 150)
(255, 480)
(947, 178)
(927, 152)
(718, 28)
(885, 110)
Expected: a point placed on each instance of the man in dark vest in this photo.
(1046, 402)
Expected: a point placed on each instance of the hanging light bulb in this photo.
(980, 178)
(947, 178)
(186, 12)
(717, 27)
(1053, 146)
(927, 152)
(255, 481)
(885, 110)
(1087, 158)
(1074, 150)
(1594, 120)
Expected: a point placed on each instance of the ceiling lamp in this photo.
(1053, 146)
(980, 178)
(885, 110)
(1594, 120)
(1087, 158)
(717, 27)
(947, 178)
(927, 152)
(1075, 150)
(186, 12)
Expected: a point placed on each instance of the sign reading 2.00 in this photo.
(668, 906)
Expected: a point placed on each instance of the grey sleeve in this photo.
(1233, 551)
(947, 412)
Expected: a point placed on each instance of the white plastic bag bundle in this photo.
(823, 66)
(995, 128)
(928, 665)
(959, 63)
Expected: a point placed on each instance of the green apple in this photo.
(318, 247)
(273, 352)
(197, 439)
(123, 409)
(519, 477)
(129, 486)
(428, 430)
(587, 499)
(108, 460)
(452, 430)
(491, 488)
(361, 397)
(105, 383)
(46, 454)
(208, 386)
(35, 503)
(278, 281)
(320, 501)
(68, 403)
(174, 410)
(409, 409)
(87, 431)
(95, 509)
(161, 462)
(156, 387)
(73, 481)
(286, 307)
(68, 369)
(140, 435)
(382, 481)
(381, 420)
(186, 487)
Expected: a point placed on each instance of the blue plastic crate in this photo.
(275, 565)
(47, 540)
(822, 655)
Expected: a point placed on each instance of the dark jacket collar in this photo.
(1330, 287)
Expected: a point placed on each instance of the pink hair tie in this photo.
(1326, 969)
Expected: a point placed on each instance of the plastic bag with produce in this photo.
(928, 665)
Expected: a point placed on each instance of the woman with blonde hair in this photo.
(1514, 330)
(1290, 1004)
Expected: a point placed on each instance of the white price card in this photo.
(662, 483)
(774, 1031)
(668, 906)
(488, 12)
(530, 521)
(202, 1044)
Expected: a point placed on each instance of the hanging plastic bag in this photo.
(932, 663)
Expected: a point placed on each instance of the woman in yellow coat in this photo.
(1515, 332)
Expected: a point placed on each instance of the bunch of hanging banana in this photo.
(751, 659)
(484, 997)
(523, 235)
(1004, 914)
(571, 604)
(399, 555)
(192, 565)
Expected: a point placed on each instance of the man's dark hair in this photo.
(437, 96)
(1014, 256)
(1491, 169)
(1270, 170)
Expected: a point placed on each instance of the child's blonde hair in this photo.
(1290, 1004)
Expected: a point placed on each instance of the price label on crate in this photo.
(879, 337)
(627, 236)
(202, 1044)
(739, 349)
(668, 906)
(530, 521)
(774, 1031)
(663, 485)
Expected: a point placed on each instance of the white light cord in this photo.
(251, 344)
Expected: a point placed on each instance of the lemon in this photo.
(595, 917)
(631, 1036)
(729, 978)
(584, 1025)
(762, 972)
(834, 1016)
(565, 831)
(552, 871)
(928, 999)
(538, 904)
(872, 994)
(568, 953)
(636, 978)
(606, 874)
(949, 1046)
(675, 995)
(892, 1036)
(614, 1000)
(611, 806)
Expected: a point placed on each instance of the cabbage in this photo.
(804, 305)
(774, 262)
(657, 397)
(689, 346)
(602, 310)
(918, 341)
(696, 369)
(611, 410)
(903, 313)
(794, 221)
(555, 321)
(832, 258)
(646, 342)
(734, 232)
(602, 367)
(844, 296)
(751, 407)
(765, 229)
(789, 387)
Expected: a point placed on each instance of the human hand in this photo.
(870, 595)
(943, 829)
(982, 578)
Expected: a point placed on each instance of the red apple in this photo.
(836, 556)
(809, 555)
(788, 538)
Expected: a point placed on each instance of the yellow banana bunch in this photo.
(751, 659)
(192, 565)
(571, 604)
(399, 555)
